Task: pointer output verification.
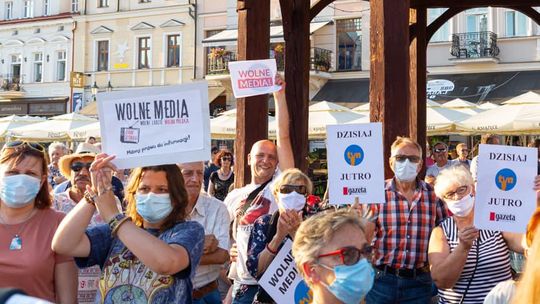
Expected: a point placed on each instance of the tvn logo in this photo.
(352, 191)
(497, 217)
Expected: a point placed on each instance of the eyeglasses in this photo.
(78, 166)
(286, 189)
(459, 191)
(226, 159)
(464, 150)
(19, 143)
(439, 150)
(401, 158)
(350, 255)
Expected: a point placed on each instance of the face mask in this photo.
(405, 171)
(462, 207)
(153, 207)
(352, 282)
(17, 191)
(292, 201)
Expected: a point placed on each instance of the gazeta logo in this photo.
(505, 179)
(354, 155)
(302, 294)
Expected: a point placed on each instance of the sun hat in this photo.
(83, 150)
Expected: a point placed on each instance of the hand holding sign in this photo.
(253, 77)
(467, 236)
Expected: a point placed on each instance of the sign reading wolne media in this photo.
(156, 126)
(253, 77)
(355, 163)
(505, 199)
(282, 281)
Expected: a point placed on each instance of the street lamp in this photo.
(109, 87)
(95, 89)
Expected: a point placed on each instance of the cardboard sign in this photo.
(253, 77)
(505, 199)
(155, 126)
(282, 281)
(355, 163)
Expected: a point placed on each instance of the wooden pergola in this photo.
(398, 45)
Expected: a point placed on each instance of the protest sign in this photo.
(505, 199)
(155, 126)
(253, 77)
(355, 163)
(282, 281)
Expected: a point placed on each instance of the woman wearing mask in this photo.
(148, 255)
(221, 180)
(271, 230)
(466, 263)
(27, 226)
(332, 253)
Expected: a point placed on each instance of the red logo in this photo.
(492, 216)
(345, 191)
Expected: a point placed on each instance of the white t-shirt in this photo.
(434, 170)
(239, 271)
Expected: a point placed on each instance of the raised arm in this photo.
(284, 147)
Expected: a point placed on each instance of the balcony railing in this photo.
(218, 61)
(10, 83)
(474, 45)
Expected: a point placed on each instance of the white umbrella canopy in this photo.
(526, 98)
(224, 126)
(326, 113)
(92, 129)
(11, 122)
(56, 128)
(362, 108)
(442, 120)
(463, 106)
(488, 106)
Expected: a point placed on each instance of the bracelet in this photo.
(115, 231)
(116, 221)
(270, 250)
(90, 197)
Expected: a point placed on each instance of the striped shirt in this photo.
(403, 227)
(493, 265)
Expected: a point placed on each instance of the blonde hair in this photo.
(291, 175)
(404, 141)
(458, 175)
(528, 289)
(317, 231)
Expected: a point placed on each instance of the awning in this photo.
(229, 37)
(214, 92)
(344, 91)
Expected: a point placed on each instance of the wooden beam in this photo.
(252, 112)
(318, 7)
(441, 20)
(529, 12)
(472, 3)
(296, 18)
(389, 74)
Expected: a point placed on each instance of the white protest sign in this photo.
(155, 126)
(253, 77)
(355, 163)
(505, 199)
(282, 281)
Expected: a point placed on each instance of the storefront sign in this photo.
(76, 80)
(10, 109)
(355, 163)
(505, 199)
(253, 77)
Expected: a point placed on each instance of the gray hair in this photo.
(56, 145)
(454, 175)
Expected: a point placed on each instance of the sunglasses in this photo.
(226, 158)
(412, 158)
(78, 166)
(18, 144)
(459, 191)
(350, 255)
(286, 189)
(440, 150)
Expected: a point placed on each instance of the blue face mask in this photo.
(17, 191)
(352, 282)
(153, 207)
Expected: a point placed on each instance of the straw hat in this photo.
(83, 150)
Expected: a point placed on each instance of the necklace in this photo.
(16, 241)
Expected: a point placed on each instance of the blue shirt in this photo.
(125, 279)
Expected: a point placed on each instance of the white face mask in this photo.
(405, 171)
(292, 201)
(462, 207)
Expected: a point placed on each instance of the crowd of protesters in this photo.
(75, 229)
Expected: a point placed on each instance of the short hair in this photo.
(291, 175)
(439, 143)
(488, 139)
(459, 175)
(177, 192)
(90, 137)
(223, 153)
(460, 145)
(535, 143)
(55, 145)
(401, 141)
(318, 230)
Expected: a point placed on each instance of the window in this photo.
(61, 65)
(442, 34)
(46, 8)
(476, 20)
(103, 55)
(516, 24)
(16, 67)
(143, 60)
(349, 44)
(9, 10)
(103, 3)
(38, 67)
(28, 9)
(173, 50)
(74, 6)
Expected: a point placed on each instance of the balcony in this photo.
(474, 47)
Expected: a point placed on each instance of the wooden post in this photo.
(389, 75)
(252, 112)
(418, 50)
(296, 18)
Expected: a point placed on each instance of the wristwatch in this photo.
(116, 221)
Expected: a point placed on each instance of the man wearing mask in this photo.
(212, 214)
(402, 228)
